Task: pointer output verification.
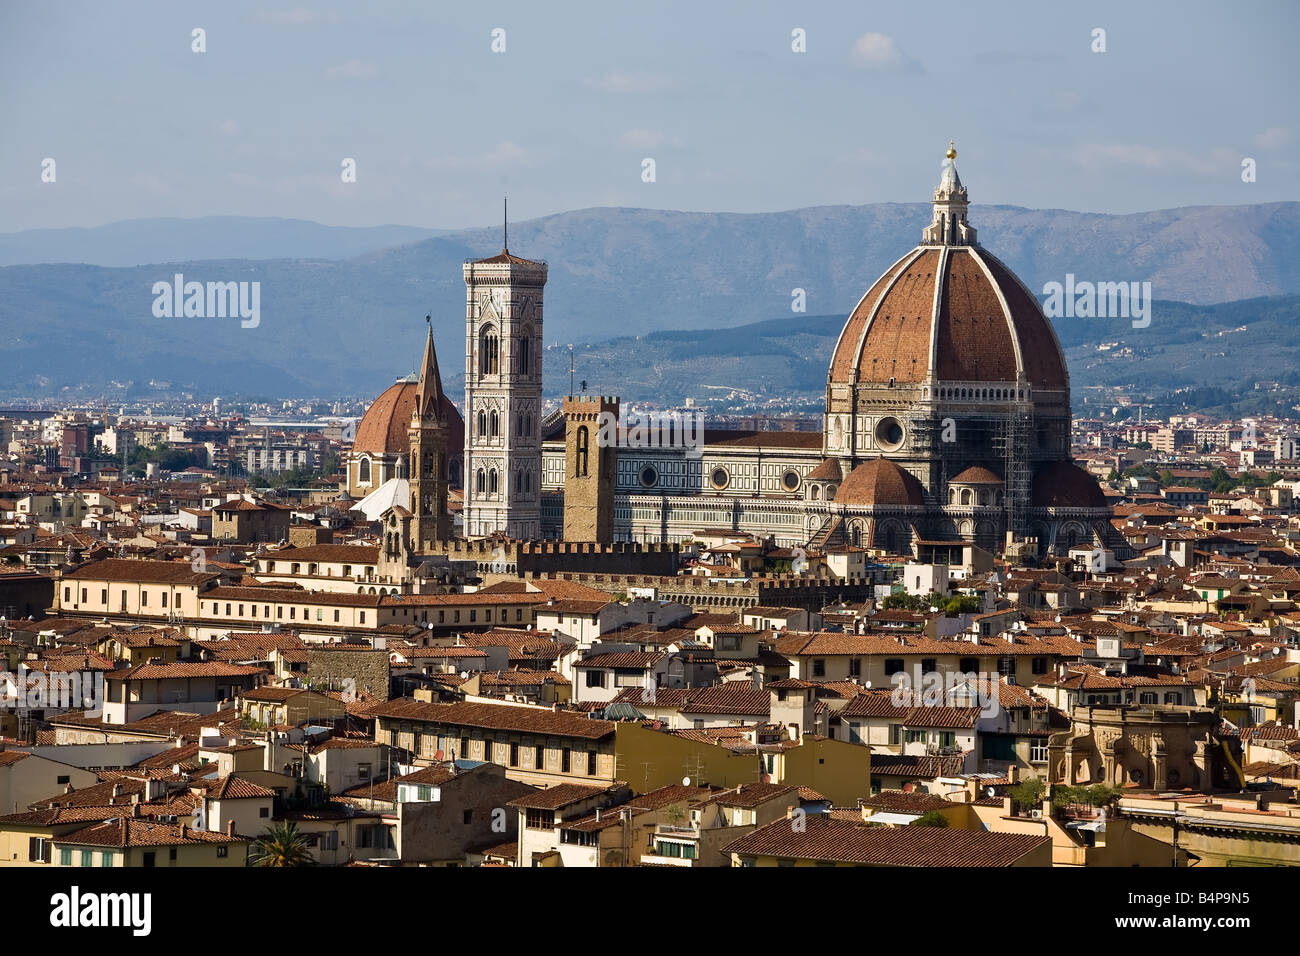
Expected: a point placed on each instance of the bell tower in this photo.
(430, 520)
(503, 396)
(590, 466)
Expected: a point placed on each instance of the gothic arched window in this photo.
(494, 424)
(480, 482)
(526, 350)
(363, 470)
(489, 352)
(482, 423)
(492, 482)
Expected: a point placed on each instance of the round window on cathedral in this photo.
(889, 434)
(719, 478)
(790, 480)
(649, 476)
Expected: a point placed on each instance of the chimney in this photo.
(184, 831)
(230, 828)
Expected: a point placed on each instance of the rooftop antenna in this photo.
(505, 224)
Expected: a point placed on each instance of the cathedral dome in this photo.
(948, 311)
(384, 429)
(880, 482)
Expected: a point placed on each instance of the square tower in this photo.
(503, 396)
(590, 466)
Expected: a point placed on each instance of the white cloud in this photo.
(504, 155)
(353, 70)
(1102, 155)
(229, 128)
(875, 51)
(631, 82)
(1274, 137)
(298, 16)
(646, 139)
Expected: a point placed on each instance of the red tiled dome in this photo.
(880, 482)
(975, 475)
(384, 429)
(828, 470)
(955, 306)
(1063, 484)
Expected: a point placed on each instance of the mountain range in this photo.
(342, 309)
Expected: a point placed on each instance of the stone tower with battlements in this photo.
(590, 467)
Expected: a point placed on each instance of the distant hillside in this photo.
(349, 326)
(137, 242)
(1228, 346)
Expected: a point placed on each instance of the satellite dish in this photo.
(439, 755)
(1058, 619)
(686, 781)
(867, 685)
(990, 791)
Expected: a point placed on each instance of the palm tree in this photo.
(283, 844)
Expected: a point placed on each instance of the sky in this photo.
(564, 116)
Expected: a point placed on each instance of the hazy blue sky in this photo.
(141, 126)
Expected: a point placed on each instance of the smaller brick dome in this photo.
(975, 475)
(880, 482)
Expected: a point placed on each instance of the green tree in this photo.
(1028, 794)
(931, 818)
(1100, 795)
(963, 604)
(283, 844)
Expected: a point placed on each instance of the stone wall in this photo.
(329, 668)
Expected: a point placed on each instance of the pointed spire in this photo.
(949, 226)
(428, 394)
(505, 224)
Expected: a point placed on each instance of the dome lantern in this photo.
(949, 226)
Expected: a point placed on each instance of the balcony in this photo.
(660, 860)
(667, 829)
(674, 846)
